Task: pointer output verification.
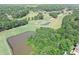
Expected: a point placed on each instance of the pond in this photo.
(18, 43)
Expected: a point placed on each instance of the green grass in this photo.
(4, 48)
(46, 16)
(32, 14)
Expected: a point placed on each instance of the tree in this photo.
(40, 16)
(53, 14)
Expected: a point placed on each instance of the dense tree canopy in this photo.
(15, 12)
(53, 14)
(50, 41)
(9, 24)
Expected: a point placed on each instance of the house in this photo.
(9, 16)
(67, 11)
(75, 51)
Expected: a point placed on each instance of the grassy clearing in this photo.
(32, 14)
(46, 16)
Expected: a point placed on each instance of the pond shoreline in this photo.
(17, 43)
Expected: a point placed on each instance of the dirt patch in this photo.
(18, 43)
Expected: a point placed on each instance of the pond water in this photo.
(18, 43)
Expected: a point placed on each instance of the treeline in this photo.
(39, 16)
(14, 11)
(50, 7)
(9, 24)
(54, 14)
(56, 7)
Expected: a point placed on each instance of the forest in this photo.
(49, 41)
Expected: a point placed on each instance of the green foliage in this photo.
(56, 42)
(11, 24)
(39, 16)
(70, 25)
(49, 41)
(20, 13)
(15, 12)
(46, 40)
(50, 7)
(53, 14)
